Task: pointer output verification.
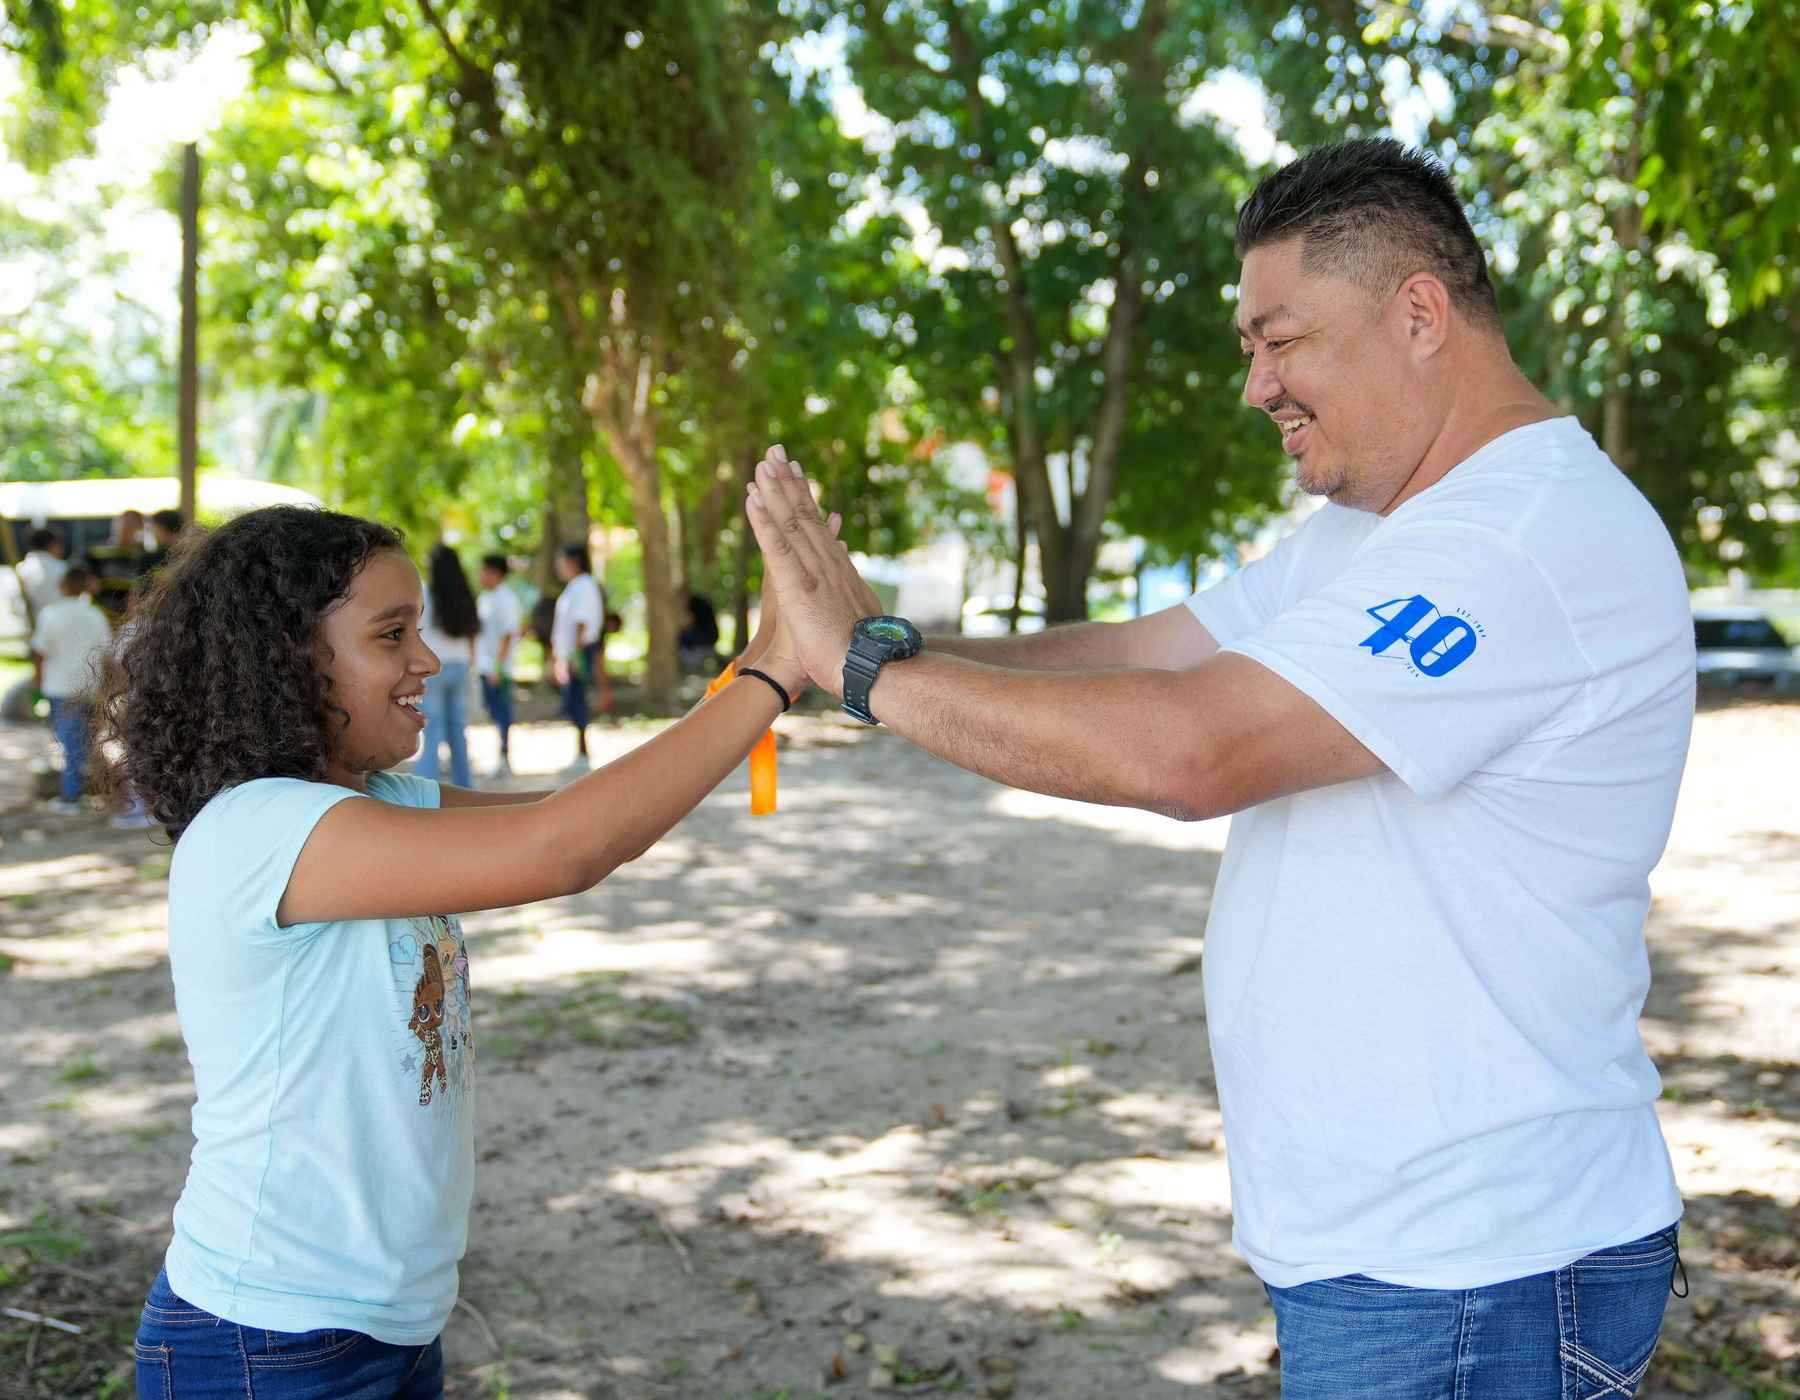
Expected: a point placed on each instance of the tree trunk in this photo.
(707, 525)
(662, 607)
(1067, 551)
(617, 396)
(1022, 543)
(189, 395)
(565, 513)
(740, 601)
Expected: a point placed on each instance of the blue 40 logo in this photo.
(1439, 643)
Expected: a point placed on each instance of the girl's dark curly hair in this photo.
(220, 678)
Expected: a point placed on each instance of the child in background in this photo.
(501, 618)
(450, 626)
(321, 976)
(67, 647)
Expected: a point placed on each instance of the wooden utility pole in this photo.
(190, 330)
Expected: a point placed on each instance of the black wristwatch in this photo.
(874, 642)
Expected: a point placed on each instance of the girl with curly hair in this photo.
(321, 978)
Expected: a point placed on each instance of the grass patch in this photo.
(80, 1070)
(591, 1012)
(43, 1242)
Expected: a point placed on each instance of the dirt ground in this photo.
(903, 1088)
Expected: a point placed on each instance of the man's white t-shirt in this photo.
(73, 636)
(1422, 988)
(501, 617)
(578, 603)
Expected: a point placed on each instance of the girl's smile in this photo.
(377, 665)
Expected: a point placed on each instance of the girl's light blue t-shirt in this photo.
(333, 1134)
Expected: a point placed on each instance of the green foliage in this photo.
(77, 397)
(1082, 231)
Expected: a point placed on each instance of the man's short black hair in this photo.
(577, 553)
(75, 579)
(169, 520)
(496, 562)
(1374, 212)
(43, 538)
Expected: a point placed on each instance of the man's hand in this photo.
(773, 648)
(821, 596)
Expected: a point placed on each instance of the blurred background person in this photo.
(165, 529)
(575, 639)
(67, 646)
(118, 564)
(502, 617)
(697, 645)
(450, 624)
(41, 570)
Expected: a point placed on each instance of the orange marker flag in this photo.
(762, 756)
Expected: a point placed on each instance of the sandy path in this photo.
(910, 1079)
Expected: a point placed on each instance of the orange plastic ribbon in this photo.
(762, 755)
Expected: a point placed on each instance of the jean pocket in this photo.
(154, 1378)
(294, 1351)
(1609, 1315)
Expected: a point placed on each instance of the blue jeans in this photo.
(583, 670)
(497, 698)
(446, 716)
(69, 723)
(1583, 1332)
(185, 1353)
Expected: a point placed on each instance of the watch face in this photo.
(886, 629)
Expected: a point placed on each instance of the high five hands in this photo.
(809, 574)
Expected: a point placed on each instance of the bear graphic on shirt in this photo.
(435, 1001)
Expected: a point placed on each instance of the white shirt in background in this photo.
(577, 605)
(41, 573)
(502, 616)
(73, 636)
(1423, 988)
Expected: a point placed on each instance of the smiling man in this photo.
(1450, 713)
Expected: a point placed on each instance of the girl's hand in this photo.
(773, 648)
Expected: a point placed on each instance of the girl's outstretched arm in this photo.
(368, 859)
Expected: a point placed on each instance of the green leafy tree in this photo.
(1073, 319)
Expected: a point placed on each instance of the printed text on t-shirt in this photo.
(1438, 642)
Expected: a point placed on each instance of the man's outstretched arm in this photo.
(1170, 640)
(1192, 743)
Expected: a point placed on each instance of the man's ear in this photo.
(1425, 302)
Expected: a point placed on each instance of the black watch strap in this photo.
(859, 678)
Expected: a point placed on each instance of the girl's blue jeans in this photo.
(185, 1353)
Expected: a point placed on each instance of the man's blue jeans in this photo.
(185, 1353)
(1584, 1332)
(69, 723)
(446, 720)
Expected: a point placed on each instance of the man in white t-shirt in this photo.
(501, 618)
(68, 648)
(577, 645)
(1451, 713)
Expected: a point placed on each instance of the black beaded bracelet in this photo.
(771, 682)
